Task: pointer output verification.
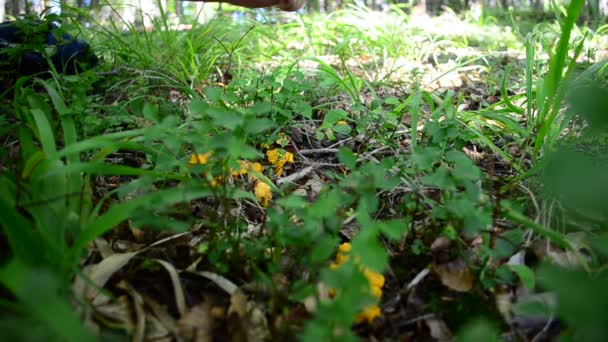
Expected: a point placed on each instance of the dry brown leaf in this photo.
(441, 243)
(310, 304)
(103, 247)
(257, 325)
(178, 291)
(220, 281)
(295, 177)
(504, 303)
(253, 323)
(238, 304)
(300, 192)
(418, 278)
(118, 312)
(197, 324)
(455, 275)
(140, 315)
(96, 276)
(564, 258)
(323, 291)
(155, 331)
(99, 274)
(438, 329)
(161, 313)
(314, 186)
(474, 154)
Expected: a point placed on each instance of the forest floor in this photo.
(361, 175)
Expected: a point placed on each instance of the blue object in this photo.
(23, 44)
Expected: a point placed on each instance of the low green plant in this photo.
(405, 150)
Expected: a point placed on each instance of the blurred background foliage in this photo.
(152, 97)
(143, 12)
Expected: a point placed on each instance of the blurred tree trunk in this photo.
(433, 6)
(331, 5)
(17, 7)
(312, 5)
(594, 9)
(2, 8)
(179, 9)
(200, 11)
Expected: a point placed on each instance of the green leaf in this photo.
(108, 142)
(263, 107)
(19, 232)
(302, 290)
(480, 330)
(31, 163)
(347, 157)
(342, 129)
(199, 107)
(38, 291)
(327, 204)
(526, 275)
(535, 306)
(330, 135)
(395, 229)
(323, 249)
(95, 227)
(214, 93)
(508, 243)
(319, 135)
(100, 168)
(582, 300)
(226, 118)
(332, 117)
(45, 131)
(440, 178)
(151, 112)
(369, 251)
(293, 202)
(58, 103)
(304, 109)
(464, 169)
(392, 101)
(256, 126)
(241, 194)
(425, 159)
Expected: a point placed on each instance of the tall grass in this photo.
(546, 123)
(50, 215)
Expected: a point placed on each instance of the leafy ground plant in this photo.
(376, 179)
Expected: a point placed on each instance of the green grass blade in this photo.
(39, 291)
(118, 213)
(19, 232)
(45, 132)
(553, 82)
(530, 60)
